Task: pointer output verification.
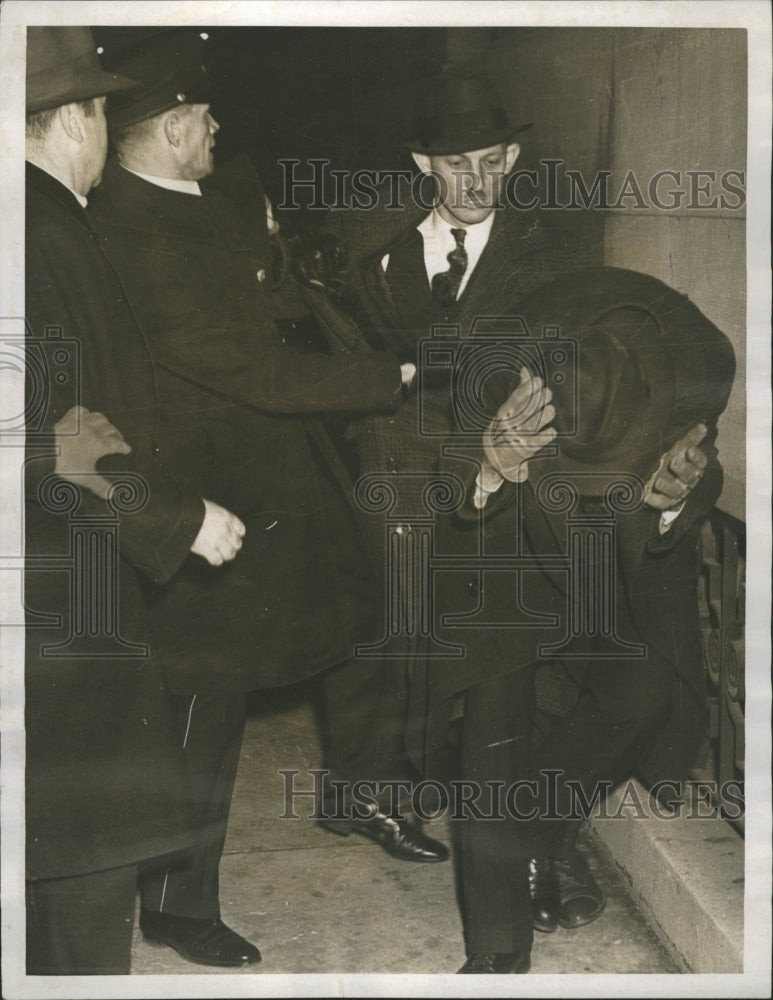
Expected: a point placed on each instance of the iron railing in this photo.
(721, 599)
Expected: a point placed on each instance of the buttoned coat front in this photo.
(235, 412)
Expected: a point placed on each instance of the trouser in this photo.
(622, 707)
(211, 729)
(365, 704)
(83, 925)
(493, 864)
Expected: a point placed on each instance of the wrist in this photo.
(489, 479)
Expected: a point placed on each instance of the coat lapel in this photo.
(497, 269)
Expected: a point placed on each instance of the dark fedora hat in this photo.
(170, 67)
(63, 66)
(457, 112)
(648, 367)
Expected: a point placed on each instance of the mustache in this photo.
(474, 199)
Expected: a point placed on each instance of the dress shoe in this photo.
(207, 942)
(400, 838)
(581, 897)
(498, 963)
(545, 895)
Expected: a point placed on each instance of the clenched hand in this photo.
(220, 536)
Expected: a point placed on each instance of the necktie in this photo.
(445, 286)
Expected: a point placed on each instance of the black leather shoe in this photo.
(582, 900)
(545, 895)
(499, 963)
(400, 838)
(206, 942)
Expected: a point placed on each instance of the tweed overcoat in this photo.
(105, 780)
(235, 406)
(499, 618)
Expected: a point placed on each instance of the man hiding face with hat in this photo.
(99, 721)
(651, 375)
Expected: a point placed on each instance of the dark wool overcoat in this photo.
(105, 781)
(655, 574)
(237, 408)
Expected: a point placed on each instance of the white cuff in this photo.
(482, 493)
(668, 517)
(407, 374)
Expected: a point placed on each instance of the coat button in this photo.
(155, 448)
(473, 586)
(392, 464)
(261, 275)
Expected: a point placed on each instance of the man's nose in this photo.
(474, 178)
(213, 125)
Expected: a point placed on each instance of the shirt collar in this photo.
(169, 183)
(436, 227)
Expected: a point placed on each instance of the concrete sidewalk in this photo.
(317, 903)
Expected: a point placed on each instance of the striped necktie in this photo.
(445, 286)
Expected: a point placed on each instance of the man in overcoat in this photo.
(106, 786)
(393, 296)
(465, 266)
(598, 578)
(194, 255)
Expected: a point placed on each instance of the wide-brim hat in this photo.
(458, 112)
(63, 66)
(171, 71)
(640, 365)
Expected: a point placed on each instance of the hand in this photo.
(220, 535)
(82, 438)
(520, 429)
(679, 471)
(408, 375)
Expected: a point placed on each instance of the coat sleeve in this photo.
(157, 537)
(237, 352)
(278, 379)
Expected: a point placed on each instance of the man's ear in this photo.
(172, 128)
(71, 120)
(422, 162)
(511, 155)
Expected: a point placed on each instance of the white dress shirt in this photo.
(439, 241)
(170, 183)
